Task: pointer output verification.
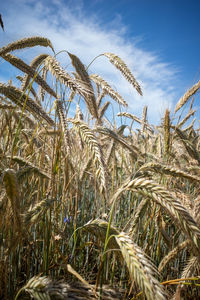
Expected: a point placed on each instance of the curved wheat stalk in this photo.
(26, 43)
(107, 89)
(19, 98)
(119, 64)
(163, 198)
(187, 96)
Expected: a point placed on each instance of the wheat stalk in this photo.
(190, 113)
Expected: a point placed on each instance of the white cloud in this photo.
(68, 25)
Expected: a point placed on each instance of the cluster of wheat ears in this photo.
(87, 211)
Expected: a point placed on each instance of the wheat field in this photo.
(90, 209)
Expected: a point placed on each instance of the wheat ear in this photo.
(20, 64)
(103, 109)
(63, 122)
(19, 98)
(25, 43)
(172, 254)
(168, 170)
(190, 113)
(9, 178)
(54, 67)
(29, 167)
(107, 89)
(139, 265)
(34, 64)
(90, 139)
(106, 131)
(141, 270)
(192, 268)
(35, 213)
(85, 79)
(167, 132)
(120, 65)
(33, 92)
(163, 198)
(133, 117)
(45, 288)
(187, 95)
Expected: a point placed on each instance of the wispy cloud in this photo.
(84, 34)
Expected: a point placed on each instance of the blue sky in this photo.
(158, 39)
